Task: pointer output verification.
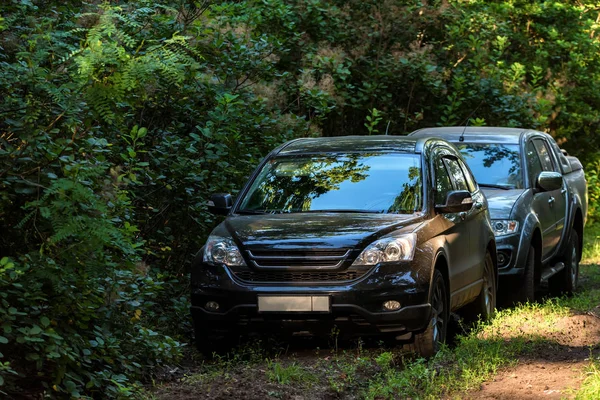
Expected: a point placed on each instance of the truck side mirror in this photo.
(456, 201)
(220, 203)
(548, 181)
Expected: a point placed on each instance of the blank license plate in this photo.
(293, 303)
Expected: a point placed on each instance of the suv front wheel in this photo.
(485, 304)
(429, 342)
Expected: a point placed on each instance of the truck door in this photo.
(543, 202)
(559, 204)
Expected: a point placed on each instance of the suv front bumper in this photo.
(356, 307)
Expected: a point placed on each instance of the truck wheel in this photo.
(428, 343)
(485, 304)
(526, 288)
(566, 280)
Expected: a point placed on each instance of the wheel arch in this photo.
(578, 227)
(440, 263)
(536, 242)
(491, 248)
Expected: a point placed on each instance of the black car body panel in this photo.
(312, 253)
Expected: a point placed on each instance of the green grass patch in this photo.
(292, 373)
(485, 349)
(591, 244)
(590, 388)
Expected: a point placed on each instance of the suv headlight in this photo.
(220, 250)
(388, 249)
(503, 227)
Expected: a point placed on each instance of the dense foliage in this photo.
(118, 119)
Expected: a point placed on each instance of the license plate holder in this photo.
(293, 304)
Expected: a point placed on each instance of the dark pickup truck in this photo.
(537, 196)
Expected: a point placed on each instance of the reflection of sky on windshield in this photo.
(497, 164)
(386, 176)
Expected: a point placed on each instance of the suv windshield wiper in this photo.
(491, 185)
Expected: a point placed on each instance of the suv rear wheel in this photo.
(428, 343)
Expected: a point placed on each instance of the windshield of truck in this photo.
(374, 183)
(494, 165)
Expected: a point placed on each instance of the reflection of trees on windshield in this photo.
(410, 196)
(372, 182)
(501, 161)
(295, 189)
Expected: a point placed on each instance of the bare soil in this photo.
(555, 371)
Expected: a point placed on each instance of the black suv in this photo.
(372, 234)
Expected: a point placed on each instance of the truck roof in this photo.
(473, 134)
(348, 144)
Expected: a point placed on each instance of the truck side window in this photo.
(564, 163)
(544, 153)
(534, 165)
(442, 182)
(457, 174)
(470, 179)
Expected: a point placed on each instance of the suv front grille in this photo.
(299, 266)
(323, 259)
(298, 276)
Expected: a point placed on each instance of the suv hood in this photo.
(501, 202)
(314, 230)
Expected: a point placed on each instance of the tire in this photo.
(209, 342)
(484, 305)
(526, 288)
(565, 282)
(427, 343)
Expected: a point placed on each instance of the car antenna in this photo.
(468, 119)
(388, 127)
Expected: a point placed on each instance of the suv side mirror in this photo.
(549, 181)
(456, 201)
(220, 203)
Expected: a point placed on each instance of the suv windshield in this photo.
(381, 183)
(494, 164)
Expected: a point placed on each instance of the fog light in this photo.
(501, 259)
(211, 305)
(391, 305)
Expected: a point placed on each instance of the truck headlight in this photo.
(388, 249)
(220, 250)
(504, 227)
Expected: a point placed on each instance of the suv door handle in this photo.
(551, 200)
(563, 191)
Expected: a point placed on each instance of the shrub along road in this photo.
(545, 350)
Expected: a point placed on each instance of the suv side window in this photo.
(544, 153)
(456, 172)
(442, 182)
(534, 165)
